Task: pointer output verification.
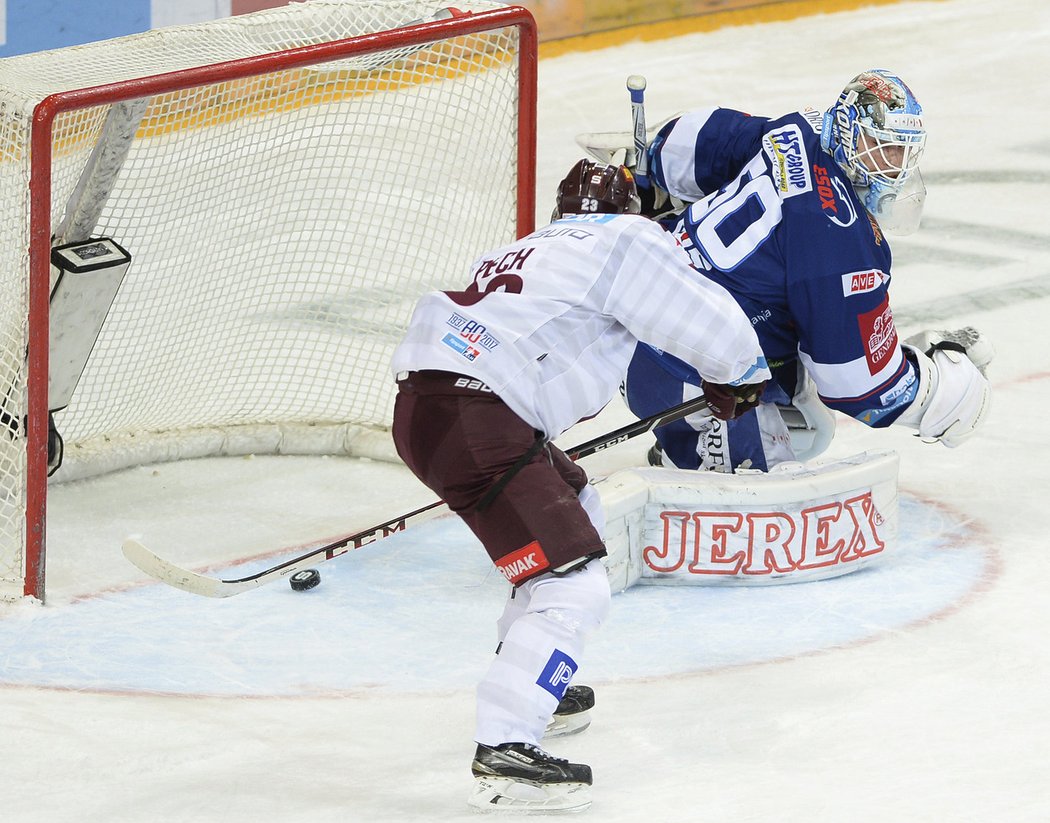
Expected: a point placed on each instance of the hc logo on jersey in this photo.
(557, 674)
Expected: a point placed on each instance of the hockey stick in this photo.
(636, 86)
(190, 581)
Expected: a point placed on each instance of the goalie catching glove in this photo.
(953, 395)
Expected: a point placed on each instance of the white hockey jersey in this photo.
(550, 322)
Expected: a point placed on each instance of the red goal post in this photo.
(283, 210)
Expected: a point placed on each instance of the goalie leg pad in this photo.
(810, 423)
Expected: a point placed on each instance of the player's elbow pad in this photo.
(953, 396)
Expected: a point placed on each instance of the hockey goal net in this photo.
(287, 184)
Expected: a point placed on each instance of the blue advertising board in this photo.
(37, 25)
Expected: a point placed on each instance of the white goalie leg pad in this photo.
(540, 654)
(953, 397)
(810, 423)
(777, 443)
(592, 504)
(797, 522)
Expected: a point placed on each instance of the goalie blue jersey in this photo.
(777, 223)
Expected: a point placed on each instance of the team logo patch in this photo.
(879, 336)
(557, 674)
(473, 332)
(523, 563)
(859, 282)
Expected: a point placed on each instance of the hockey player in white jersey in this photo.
(538, 340)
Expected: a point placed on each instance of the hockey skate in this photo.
(573, 714)
(655, 456)
(519, 777)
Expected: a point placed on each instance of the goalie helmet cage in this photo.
(287, 183)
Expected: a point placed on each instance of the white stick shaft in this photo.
(636, 86)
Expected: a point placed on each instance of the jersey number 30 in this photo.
(726, 227)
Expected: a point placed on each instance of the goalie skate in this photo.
(573, 714)
(518, 777)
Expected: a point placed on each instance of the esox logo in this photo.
(747, 544)
(523, 563)
(832, 194)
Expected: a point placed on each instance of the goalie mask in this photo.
(595, 188)
(875, 133)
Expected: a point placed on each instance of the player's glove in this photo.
(953, 396)
(657, 204)
(727, 402)
(967, 340)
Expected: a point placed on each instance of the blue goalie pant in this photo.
(758, 439)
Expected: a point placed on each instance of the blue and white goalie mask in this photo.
(875, 133)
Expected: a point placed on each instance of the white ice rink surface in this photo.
(918, 692)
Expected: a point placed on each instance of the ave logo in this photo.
(859, 282)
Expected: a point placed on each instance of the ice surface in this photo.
(910, 692)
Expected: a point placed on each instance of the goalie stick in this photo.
(636, 86)
(195, 583)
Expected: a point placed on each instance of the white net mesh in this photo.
(281, 227)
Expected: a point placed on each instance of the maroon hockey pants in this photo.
(460, 440)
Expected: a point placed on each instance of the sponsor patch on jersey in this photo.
(859, 282)
(787, 154)
(523, 563)
(814, 117)
(461, 346)
(879, 336)
(557, 674)
(903, 392)
(835, 202)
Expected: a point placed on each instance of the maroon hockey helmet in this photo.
(595, 188)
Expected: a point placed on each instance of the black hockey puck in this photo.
(304, 580)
